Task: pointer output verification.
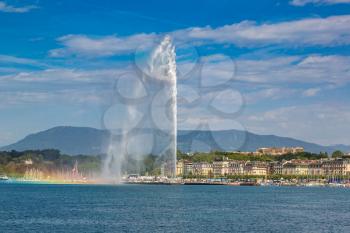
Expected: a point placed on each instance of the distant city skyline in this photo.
(289, 62)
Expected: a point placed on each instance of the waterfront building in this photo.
(184, 168)
(180, 168)
(188, 168)
(203, 169)
(296, 167)
(336, 167)
(221, 168)
(315, 168)
(275, 168)
(236, 168)
(255, 168)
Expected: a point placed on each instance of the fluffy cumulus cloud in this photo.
(318, 2)
(13, 9)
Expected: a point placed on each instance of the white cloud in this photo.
(284, 77)
(17, 60)
(330, 31)
(258, 80)
(269, 93)
(19, 97)
(62, 75)
(318, 2)
(102, 46)
(68, 96)
(68, 86)
(311, 92)
(281, 70)
(13, 9)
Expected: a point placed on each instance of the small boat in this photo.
(3, 178)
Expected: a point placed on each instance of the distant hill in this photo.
(90, 141)
(69, 140)
(231, 140)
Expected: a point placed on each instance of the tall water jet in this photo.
(163, 68)
(145, 124)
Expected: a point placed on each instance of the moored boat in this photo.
(3, 178)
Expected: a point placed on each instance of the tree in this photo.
(337, 154)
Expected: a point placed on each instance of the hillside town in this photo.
(295, 167)
(280, 166)
(323, 167)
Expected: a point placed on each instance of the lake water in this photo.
(152, 208)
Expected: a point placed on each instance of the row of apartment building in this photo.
(323, 167)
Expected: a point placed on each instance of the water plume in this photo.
(146, 124)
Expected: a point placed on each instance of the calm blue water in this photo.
(148, 208)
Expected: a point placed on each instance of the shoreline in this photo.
(187, 183)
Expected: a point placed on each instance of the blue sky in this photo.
(290, 59)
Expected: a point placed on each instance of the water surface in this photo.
(155, 208)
